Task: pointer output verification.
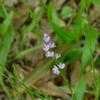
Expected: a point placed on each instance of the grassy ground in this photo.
(26, 70)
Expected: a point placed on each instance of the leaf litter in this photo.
(26, 74)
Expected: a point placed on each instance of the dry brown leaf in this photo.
(10, 3)
(21, 17)
(94, 16)
(50, 89)
(75, 74)
(58, 3)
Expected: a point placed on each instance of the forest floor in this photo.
(49, 49)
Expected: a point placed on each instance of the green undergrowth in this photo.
(23, 67)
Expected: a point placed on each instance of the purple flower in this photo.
(46, 38)
(48, 45)
(55, 70)
(45, 48)
(51, 45)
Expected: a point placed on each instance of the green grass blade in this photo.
(5, 45)
(27, 51)
(79, 90)
(90, 44)
(96, 2)
(4, 49)
(97, 93)
(7, 22)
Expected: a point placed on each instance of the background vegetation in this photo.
(25, 73)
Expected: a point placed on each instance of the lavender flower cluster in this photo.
(48, 46)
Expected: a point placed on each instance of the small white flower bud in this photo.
(45, 48)
(55, 70)
(49, 54)
(57, 55)
(51, 45)
(46, 38)
(61, 65)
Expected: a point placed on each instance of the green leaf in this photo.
(96, 2)
(1, 12)
(53, 16)
(65, 36)
(72, 55)
(88, 50)
(7, 22)
(79, 90)
(84, 5)
(97, 93)
(6, 43)
(80, 24)
(66, 12)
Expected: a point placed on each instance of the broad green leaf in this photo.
(79, 90)
(79, 25)
(56, 19)
(53, 16)
(72, 55)
(65, 36)
(66, 12)
(90, 44)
